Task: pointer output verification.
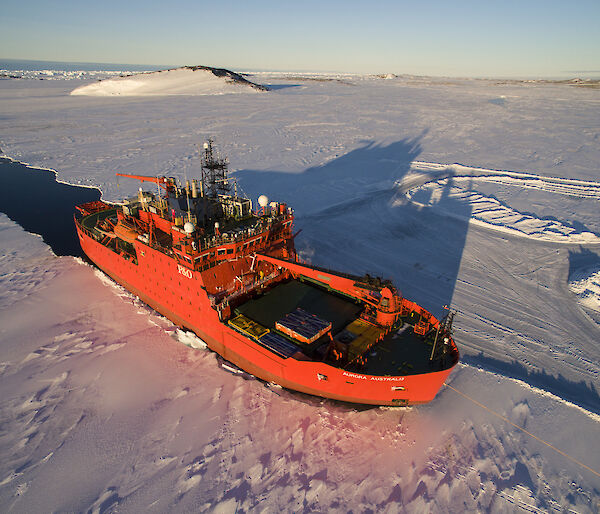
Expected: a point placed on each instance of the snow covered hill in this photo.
(188, 80)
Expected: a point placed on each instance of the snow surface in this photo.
(104, 409)
(586, 285)
(179, 81)
(458, 189)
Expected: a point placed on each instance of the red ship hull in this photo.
(179, 294)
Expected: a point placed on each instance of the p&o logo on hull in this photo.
(184, 271)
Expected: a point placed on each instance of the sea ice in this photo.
(104, 410)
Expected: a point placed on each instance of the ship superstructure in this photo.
(202, 255)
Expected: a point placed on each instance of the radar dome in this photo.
(188, 227)
(263, 200)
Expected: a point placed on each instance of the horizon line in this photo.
(156, 67)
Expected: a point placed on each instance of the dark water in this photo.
(41, 205)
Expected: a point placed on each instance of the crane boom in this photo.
(161, 181)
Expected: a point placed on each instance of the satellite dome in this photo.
(263, 200)
(189, 227)
(217, 224)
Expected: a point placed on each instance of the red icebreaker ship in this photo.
(201, 256)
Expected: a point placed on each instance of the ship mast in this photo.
(214, 173)
(445, 328)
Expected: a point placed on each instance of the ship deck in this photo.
(285, 298)
(91, 220)
(399, 353)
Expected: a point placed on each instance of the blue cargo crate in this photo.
(303, 326)
(278, 344)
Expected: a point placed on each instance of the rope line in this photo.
(504, 418)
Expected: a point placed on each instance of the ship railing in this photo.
(91, 234)
(87, 232)
(94, 218)
(93, 207)
(246, 289)
(360, 281)
(213, 241)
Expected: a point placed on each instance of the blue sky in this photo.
(427, 37)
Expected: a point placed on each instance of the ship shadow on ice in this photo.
(34, 199)
(355, 218)
(579, 393)
(581, 261)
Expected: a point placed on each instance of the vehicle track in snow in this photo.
(565, 186)
(432, 184)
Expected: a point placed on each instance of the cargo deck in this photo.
(400, 352)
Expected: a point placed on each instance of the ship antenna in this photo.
(201, 172)
(187, 196)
